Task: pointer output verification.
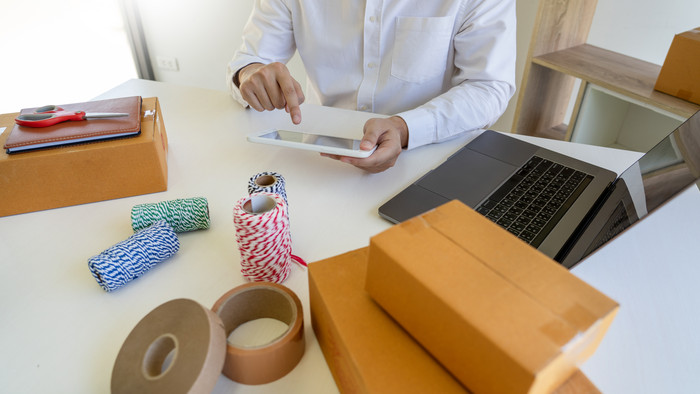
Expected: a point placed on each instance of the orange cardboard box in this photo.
(78, 174)
(366, 350)
(680, 74)
(498, 314)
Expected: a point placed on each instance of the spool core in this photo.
(160, 356)
(259, 204)
(265, 181)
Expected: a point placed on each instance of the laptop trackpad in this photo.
(468, 176)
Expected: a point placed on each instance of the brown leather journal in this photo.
(24, 138)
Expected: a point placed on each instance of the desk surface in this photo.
(61, 332)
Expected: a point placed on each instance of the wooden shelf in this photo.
(628, 76)
(559, 60)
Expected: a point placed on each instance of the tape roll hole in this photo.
(265, 181)
(258, 204)
(160, 356)
(257, 333)
(257, 317)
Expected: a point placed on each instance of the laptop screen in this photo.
(663, 172)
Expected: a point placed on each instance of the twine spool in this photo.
(268, 182)
(133, 257)
(186, 214)
(262, 233)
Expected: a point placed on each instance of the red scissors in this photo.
(50, 115)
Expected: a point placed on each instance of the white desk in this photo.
(61, 332)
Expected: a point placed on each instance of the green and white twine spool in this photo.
(185, 214)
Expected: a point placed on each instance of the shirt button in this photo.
(372, 18)
(364, 108)
(372, 65)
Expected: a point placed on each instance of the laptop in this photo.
(564, 207)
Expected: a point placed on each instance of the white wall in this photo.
(642, 28)
(202, 35)
(59, 52)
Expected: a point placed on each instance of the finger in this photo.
(293, 97)
(295, 113)
(254, 103)
(371, 135)
(269, 93)
(251, 98)
(254, 92)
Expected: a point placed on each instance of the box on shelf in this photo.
(366, 350)
(77, 174)
(679, 74)
(495, 312)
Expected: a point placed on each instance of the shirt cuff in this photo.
(233, 89)
(421, 127)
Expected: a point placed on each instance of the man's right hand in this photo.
(269, 87)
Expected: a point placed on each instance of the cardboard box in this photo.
(78, 174)
(366, 350)
(679, 74)
(498, 314)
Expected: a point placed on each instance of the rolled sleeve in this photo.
(267, 37)
(421, 127)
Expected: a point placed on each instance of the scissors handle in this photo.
(48, 108)
(48, 119)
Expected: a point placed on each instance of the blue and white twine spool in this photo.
(183, 214)
(133, 257)
(268, 182)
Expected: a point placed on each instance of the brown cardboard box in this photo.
(366, 350)
(498, 314)
(72, 175)
(680, 75)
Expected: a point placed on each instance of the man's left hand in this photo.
(390, 135)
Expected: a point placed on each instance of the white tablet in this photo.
(315, 142)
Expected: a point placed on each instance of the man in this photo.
(440, 67)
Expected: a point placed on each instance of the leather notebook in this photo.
(23, 138)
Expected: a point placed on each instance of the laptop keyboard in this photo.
(534, 199)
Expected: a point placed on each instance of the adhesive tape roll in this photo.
(269, 362)
(178, 347)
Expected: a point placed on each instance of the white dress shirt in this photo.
(444, 66)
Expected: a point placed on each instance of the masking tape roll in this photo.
(178, 347)
(269, 362)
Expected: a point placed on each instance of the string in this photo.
(133, 257)
(262, 234)
(268, 182)
(187, 214)
(272, 182)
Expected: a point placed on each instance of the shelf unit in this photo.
(616, 104)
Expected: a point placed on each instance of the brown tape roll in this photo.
(178, 347)
(262, 364)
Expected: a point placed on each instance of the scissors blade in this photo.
(94, 115)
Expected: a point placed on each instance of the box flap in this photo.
(537, 275)
(508, 306)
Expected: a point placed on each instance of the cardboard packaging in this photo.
(366, 350)
(498, 314)
(78, 174)
(679, 74)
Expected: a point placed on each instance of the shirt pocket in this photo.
(421, 47)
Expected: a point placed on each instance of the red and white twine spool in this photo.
(262, 233)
